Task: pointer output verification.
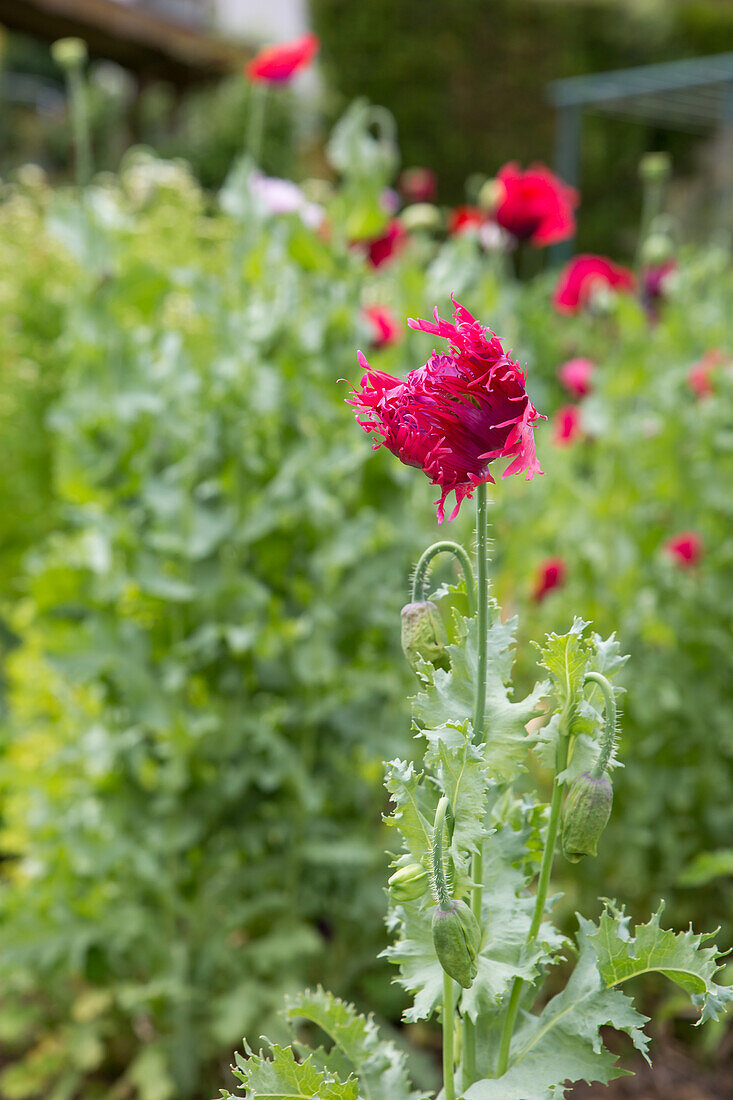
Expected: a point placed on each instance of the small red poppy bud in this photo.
(423, 635)
(585, 815)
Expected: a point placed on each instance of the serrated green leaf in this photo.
(282, 1077)
(445, 707)
(379, 1065)
(463, 776)
(680, 956)
(414, 807)
(563, 1044)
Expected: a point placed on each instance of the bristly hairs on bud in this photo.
(610, 729)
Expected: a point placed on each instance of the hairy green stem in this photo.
(543, 885)
(419, 581)
(609, 730)
(439, 880)
(479, 714)
(449, 1084)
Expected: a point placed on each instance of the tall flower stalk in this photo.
(471, 932)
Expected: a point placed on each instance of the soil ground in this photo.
(674, 1076)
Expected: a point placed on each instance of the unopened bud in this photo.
(421, 216)
(491, 194)
(69, 53)
(655, 167)
(585, 815)
(409, 883)
(423, 635)
(457, 938)
(657, 249)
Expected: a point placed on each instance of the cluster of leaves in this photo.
(191, 775)
(654, 460)
(494, 810)
(206, 682)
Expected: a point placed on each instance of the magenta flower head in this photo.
(452, 417)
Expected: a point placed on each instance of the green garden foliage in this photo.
(208, 669)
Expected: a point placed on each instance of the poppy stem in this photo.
(256, 120)
(448, 1044)
(543, 885)
(419, 580)
(479, 714)
(609, 730)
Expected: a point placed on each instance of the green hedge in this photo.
(466, 82)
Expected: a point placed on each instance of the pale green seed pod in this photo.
(655, 167)
(408, 882)
(423, 635)
(457, 938)
(585, 815)
(421, 216)
(69, 53)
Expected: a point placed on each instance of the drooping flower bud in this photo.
(423, 635)
(69, 53)
(457, 938)
(585, 815)
(409, 882)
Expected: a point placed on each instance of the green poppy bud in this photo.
(457, 938)
(409, 882)
(423, 635)
(421, 216)
(69, 53)
(655, 167)
(585, 815)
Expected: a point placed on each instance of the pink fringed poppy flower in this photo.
(418, 184)
(551, 573)
(455, 415)
(584, 274)
(566, 426)
(685, 549)
(387, 245)
(465, 219)
(576, 375)
(536, 205)
(278, 64)
(385, 327)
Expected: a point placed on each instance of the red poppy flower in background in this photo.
(685, 549)
(566, 426)
(455, 415)
(418, 184)
(464, 219)
(385, 327)
(278, 64)
(551, 573)
(700, 375)
(536, 205)
(582, 275)
(387, 245)
(575, 375)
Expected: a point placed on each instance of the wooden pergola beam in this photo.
(148, 44)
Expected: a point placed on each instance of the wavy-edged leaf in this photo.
(414, 807)
(563, 1044)
(379, 1065)
(680, 956)
(282, 1077)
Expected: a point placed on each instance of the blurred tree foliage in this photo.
(465, 80)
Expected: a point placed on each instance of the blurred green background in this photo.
(203, 562)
